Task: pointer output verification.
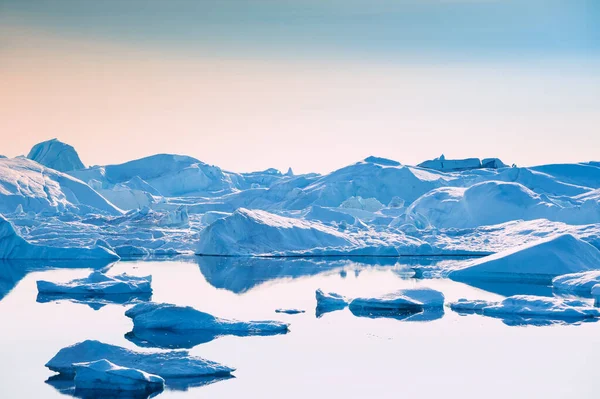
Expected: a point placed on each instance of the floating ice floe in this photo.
(577, 283)
(409, 299)
(102, 375)
(172, 364)
(98, 283)
(411, 304)
(530, 309)
(537, 262)
(13, 246)
(289, 311)
(170, 326)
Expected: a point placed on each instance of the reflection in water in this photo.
(66, 386)
(402, 315)
(510, 288)
(167, 339)
(96, 302)
(242, 274)
(12, 271)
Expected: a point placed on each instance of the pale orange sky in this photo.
(114, 103)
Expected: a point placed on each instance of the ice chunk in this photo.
(464, 305)
(365, 204)
(102, 375)
(13, 246)
(172, 364)
(131, 251)
(577, 283)
(289, 311)
(168, 325)
(254, 232)
(98, 283)
(538, 262)
(410, 299)
(56, 155)
(537, 306)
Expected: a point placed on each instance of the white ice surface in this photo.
(106, 376)
(171, 364)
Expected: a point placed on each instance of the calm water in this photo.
(337, 355)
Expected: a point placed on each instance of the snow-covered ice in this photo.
(171, 364)
(530, 309)
(102, 375)
(56, 155)
(98, 283)
(409, 299)
(539, 261)
(577, 283)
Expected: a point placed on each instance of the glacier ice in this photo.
(56, 155)
(13, 246)
(102, 375)
(539, 261)
(172, 364)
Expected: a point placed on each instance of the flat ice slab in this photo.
(289, 311)
(164, 316)
(577, 283)
(410, 299)
(106, 376)
(537, 262)
(98, 283)
(172, 364)
(530, 309)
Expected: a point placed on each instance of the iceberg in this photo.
(40, 189)
(172, 364)
(254, 232)
(536, 262)
(409, 300)
(577, 283)
(56, 155)
(102, 375)
(171, 326)
(494, 202)
(13, 246)
(98, 283)
(451, 165)
(531, 310)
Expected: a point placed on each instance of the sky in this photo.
(315, 85)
